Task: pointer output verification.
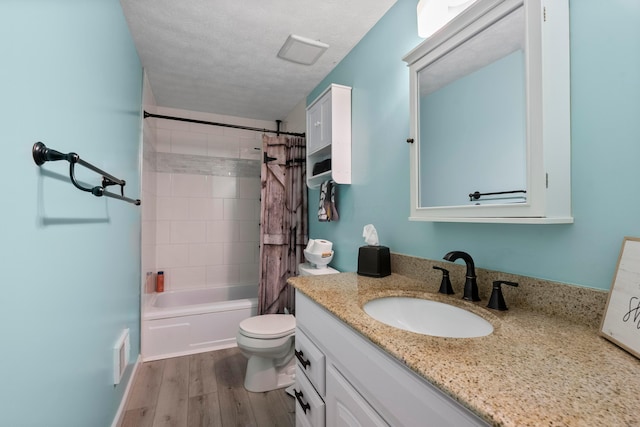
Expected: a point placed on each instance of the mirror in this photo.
(482, 114)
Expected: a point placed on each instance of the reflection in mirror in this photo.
(472, 120)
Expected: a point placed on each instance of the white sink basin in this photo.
(428, 317)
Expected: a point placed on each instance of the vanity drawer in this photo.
(311, 361)
(310, 410)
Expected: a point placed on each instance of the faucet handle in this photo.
(445, 285)
(496, 301)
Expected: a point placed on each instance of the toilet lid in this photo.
(268, 326)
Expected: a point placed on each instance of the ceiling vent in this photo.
(302, 50)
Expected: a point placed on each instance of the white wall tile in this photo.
(214, 253)
(240, 253)
(248, 231)
(223, 146)
(163, 232)
(178, 208)
(241, 209)
(198, 254)
(222, 231)
(224, 187)
(222, 275)
(215, 209)
(250, 148)
(188, 232)
(186, 277)
(198, 208)
(206, 227)
(183, 142)
(183, 185)
(164, 208)
(163, 184)
(148, 207)
(148, 233)
(248, 273)
(206, 254)
(169, 256)
(249, 188)
(163, 140)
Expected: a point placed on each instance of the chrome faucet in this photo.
(470, 284)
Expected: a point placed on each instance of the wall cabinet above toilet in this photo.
(329, 137)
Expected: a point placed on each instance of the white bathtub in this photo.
(178, 323)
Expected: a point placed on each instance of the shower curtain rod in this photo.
(227, 125)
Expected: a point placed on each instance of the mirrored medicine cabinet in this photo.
(490, 118)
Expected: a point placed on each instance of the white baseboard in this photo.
(117, 420)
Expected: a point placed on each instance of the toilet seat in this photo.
(268, 326)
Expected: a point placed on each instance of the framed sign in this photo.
(621, 321)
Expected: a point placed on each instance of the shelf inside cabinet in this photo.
(316, 180)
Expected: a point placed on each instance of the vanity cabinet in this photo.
(345, 406)
(329, 136)
(365, 386)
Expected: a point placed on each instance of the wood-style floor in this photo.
(203, 390)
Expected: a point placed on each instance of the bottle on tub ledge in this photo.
(160, 281)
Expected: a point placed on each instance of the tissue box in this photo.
(374, 261)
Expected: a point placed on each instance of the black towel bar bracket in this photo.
(42, 154)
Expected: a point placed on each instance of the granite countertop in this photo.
(533, 370)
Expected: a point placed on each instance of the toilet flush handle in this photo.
(301, 359)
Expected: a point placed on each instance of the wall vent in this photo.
(121, 352)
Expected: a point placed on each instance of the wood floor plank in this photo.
(270, 410)
(235, 407)
(204, 411)
(288, 405)
(173, 399)
(144, 393)
(202, 376)
(140, 417)
(181, 392)
(230, 367)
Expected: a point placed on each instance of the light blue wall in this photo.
(70, 77)
(605, 89)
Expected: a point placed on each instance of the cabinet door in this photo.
(314, 122)
(325, 120)
(310, 408)
(319, 124)
(345, 407)
(310, 360)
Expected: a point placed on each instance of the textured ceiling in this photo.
(220, 56)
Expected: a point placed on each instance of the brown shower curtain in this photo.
(283, 220)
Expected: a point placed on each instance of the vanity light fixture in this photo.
(434, 14)
(302, 50)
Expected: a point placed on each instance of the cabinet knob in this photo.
(410, 140)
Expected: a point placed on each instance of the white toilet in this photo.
(268, 342)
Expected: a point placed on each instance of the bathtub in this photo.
(177, 323)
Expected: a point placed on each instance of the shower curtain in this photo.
(283, 220)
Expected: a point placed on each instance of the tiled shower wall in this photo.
(148, 193)
(207, 200)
